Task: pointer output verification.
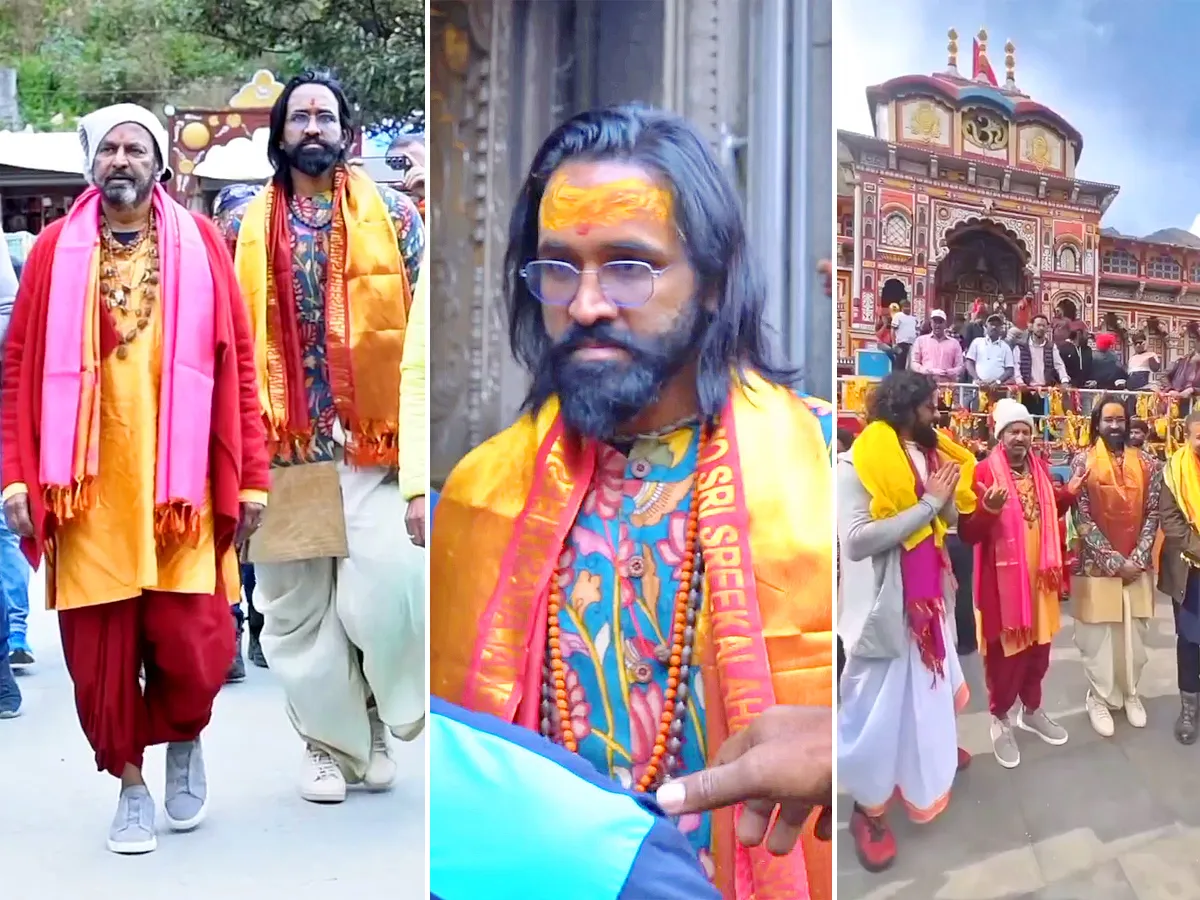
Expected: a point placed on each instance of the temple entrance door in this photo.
(983, 261)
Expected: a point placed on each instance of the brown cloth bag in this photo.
(305, 518)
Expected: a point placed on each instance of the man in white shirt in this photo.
(989, 359)
(906, 328)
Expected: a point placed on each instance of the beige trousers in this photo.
(338, 632)
(1102, 646)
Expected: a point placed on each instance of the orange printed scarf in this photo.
(367, 299)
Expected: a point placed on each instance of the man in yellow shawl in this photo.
(326, 261)
(900, 487)
(1112, 588)
(1179, 569)
(642, 564)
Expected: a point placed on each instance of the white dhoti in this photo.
(897, 731)
(338, 632)
(1111, 624)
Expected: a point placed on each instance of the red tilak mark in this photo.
(583, 229)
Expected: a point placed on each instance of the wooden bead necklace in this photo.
(689, 596)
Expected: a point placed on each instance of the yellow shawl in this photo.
(788, 487)
(883, 467)
(1182, 475)
(367, 299)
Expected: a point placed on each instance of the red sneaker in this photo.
(874, 843)
(964, 759)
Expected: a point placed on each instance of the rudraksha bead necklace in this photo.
(689, 596)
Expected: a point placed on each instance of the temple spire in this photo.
(1010, 66)
(952, 51)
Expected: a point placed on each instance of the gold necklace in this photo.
(122, 276)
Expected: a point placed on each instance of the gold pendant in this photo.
(122, 351)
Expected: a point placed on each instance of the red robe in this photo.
(238, 457)
(976, 529)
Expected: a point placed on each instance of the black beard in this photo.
(925, 437)
(1114, 441)
(598, 396)
(313, 158)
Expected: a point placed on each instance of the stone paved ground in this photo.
(1094, 819)
(261, 841)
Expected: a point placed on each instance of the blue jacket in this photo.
(512, 815)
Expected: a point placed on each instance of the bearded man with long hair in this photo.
(901, 488)
(327, 261)
(629, 569)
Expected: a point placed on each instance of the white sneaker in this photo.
(321, 779)
(1100, 715)
(381, 770)
(1135, 712)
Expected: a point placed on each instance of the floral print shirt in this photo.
(311, 220)
(619, 572)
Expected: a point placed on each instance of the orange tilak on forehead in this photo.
(568, 206)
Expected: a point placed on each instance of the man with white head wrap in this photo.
(1018, 576)
(129, 343)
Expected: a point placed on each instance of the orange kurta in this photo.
(1046, 616)
(110, 553)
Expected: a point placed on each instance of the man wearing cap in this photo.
(989, 360)
(1018, 576)
(129, 345)
(937, 353)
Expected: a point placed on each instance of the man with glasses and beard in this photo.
(634, 567)
(327, 261)
(901, 487)
(133, 445)
(1112, 585)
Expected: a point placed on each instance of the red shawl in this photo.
(237, 443)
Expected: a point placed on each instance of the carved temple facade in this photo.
(966, 189)
(503, 73)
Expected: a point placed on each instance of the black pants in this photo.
(1187, 660)
(962, 562)
(255, 617)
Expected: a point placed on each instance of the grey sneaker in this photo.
(1004, 745)
(132, 829)
(186, 800)
(1037, 722)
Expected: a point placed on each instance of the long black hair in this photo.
(735, 336)
(1098, 410)
(275, 151)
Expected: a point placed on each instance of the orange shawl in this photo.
(367, 298)
(500, 525)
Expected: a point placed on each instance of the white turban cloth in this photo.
(1007, 412)
(95, 126)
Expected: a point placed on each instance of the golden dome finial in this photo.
(1010, 64)
(952, 49)
(982, 36)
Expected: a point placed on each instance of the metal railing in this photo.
(1061, 414)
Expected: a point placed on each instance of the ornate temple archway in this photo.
(984, 259)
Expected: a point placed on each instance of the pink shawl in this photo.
(71, 370)
(1012, 563)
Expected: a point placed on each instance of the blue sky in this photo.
(1123, 73)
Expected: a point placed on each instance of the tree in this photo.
(375, 47)
(72, 57)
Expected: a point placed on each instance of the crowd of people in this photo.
(190, 408)
(994, 347)
(943, 554)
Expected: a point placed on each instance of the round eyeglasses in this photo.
(625, 283)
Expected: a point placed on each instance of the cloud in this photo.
(242, 159)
